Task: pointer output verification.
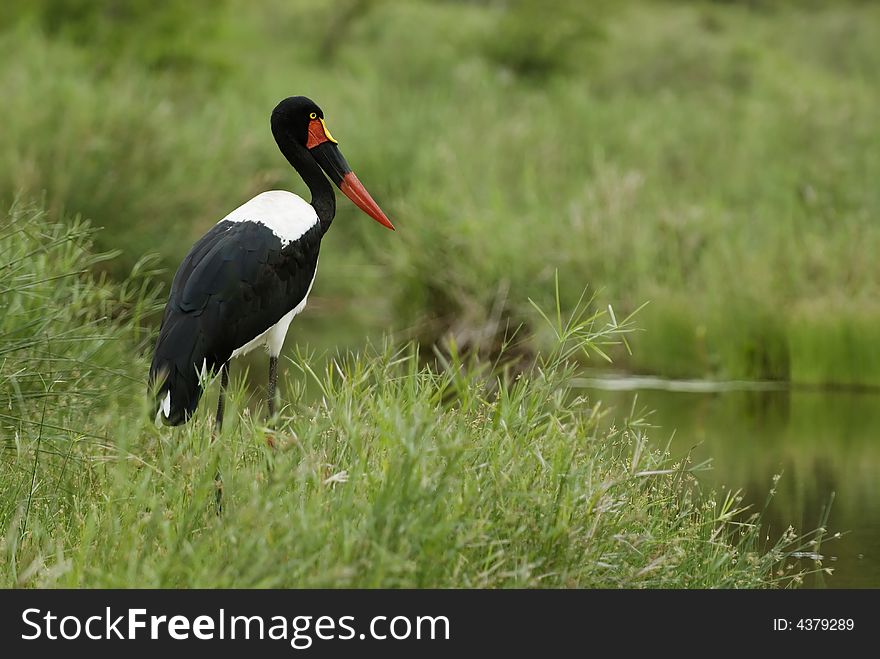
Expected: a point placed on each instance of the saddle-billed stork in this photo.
(243, 282)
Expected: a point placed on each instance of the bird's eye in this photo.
(313, 115)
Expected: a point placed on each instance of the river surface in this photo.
(825, 444)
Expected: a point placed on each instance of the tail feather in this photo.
(179, 359)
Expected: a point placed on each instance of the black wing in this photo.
(235, 283)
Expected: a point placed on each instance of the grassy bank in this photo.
(716, 159)
(386, 472)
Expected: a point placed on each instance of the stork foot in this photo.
(281, 441)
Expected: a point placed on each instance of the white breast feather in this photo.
(284, 213)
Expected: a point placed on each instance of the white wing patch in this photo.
(284, 213)
(166, 405)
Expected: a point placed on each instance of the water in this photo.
(824, 443)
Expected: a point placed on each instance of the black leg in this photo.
(224, 382)
(218, 478)
(273, 379)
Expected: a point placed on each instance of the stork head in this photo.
(299, 119)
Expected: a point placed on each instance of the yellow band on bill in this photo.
(327, 132)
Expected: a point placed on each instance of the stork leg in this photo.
(224, 382)
(270, 397)
(273, 379)
(218, 478)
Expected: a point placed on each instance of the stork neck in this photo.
(323, 198)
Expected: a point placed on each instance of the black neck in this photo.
(323, 197)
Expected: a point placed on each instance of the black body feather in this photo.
(236, 282)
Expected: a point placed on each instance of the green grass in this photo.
(386, 472)
(716, 159)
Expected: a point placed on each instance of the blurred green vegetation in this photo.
(717, 159)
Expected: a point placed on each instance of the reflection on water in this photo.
(823, 443)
